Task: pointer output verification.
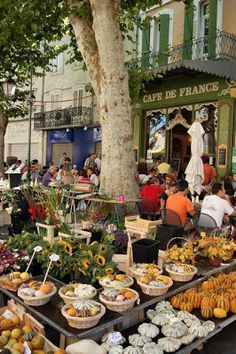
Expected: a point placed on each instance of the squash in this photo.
(207, 312)
(233, 306)
(208, 302)
(223, 304)
(219, 313)
(176, 301)
(186, 306)
(29, 336)
(210, 284)
(195, 300)
(85, 346)
(190, 292)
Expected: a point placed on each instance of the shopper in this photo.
(63, 158)
(209, 172)
(90, 161)
(151, 192)
(93, 177)
(163, 167)
(49, 175)
(218, 205)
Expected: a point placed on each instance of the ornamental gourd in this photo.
(133, 350)
(189, 338)
(116, 349)
(176, 301)
(219, 313)
(152, 348)
(169, 345)
(148, 330)
(207, 312)
(186, 306)
(190, 292)
(223, 304)
(195, 299)
(161, 319)
(208, 302)
(138, 340)
(233, 306)
(29, 336)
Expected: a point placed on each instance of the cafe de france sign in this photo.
(182, 92)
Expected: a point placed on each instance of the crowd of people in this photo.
(63, 173)
(161, 188)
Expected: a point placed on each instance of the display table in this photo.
(50, 313)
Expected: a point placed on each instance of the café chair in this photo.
(147, 209)
(204, 223)
(170, 217)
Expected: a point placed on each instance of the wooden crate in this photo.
(50, 229)
(124, 261)
(142, 225)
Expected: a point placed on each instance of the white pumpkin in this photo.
(189, 338)
(106, 346)
(198, 330)
(148, 330)
(152, 348)
(209, 325)
(133, 350)
(191, 320)
(182, 315)
(175, 330)
(169, 345)
(138, 340)
(106, 339)
(150, 314)
(161, 319)
(85, 346)
(116, 349)
(163, 305)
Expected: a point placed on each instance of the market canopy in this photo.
(222, 68)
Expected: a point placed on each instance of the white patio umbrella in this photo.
(194, 171)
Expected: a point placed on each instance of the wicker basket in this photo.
(71, 299)
(138, 275)
(107, 286)
(153, 290)
(120, 306)
(182, 277)
(83, 322)
(34, 301)
(9, 285)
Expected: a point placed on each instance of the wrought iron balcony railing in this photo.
(220, 46)
(63, 118)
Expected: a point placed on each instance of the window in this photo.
(55, 98)
(57, 63)
(156, 39)
(78, 98)
(204, 30)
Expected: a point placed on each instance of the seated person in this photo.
(170, 190)
(93, 177)
(83, 178)
(217, 205)
(151, 191)
(142, 173)
(49, 175)
(180, 203)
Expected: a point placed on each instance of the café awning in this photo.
(221, 68)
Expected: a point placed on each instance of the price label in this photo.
(8, 314)
(114, 338)
(26, 348)
(38, 248)
(54, 257)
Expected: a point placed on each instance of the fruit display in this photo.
(116, 281)
(140, 269)
(154, 284)
(35, 293)
(119, 300)
(83, 314)
(216, 297)
(8, 323)
(12, 281)
(75, 292)
(181, 272)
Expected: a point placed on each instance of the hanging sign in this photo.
(222, 156)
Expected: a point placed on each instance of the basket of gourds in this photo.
(181, 272)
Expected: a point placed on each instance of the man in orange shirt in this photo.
(180, 203)
(209, 172)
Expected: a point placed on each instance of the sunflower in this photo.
(85, 263)
(93, 243)
(58, 263)
(109, 270)
(68, 248)
(82, 246)
(100, 260)
(88, 253)
(72, 240)
(103, 248)
(61, 242)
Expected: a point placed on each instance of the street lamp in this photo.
(30, 103)
(9, 86)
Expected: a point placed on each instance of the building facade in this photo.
(191, 52)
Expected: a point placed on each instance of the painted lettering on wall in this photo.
(182, 92)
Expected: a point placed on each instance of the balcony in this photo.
(221, 46)
(64, 118)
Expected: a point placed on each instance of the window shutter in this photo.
(212, 29)
(188, 31)
(60, 61)
(164, 38)
(145, 47)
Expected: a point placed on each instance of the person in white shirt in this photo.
(98, 163)
(93, 177)
(217, 205)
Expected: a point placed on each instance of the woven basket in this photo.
(71, 299)
(120, 306)
(182, 277)
(34, 301)
(107, 286)
(138, 275)
(9, 285)
(83, 322)
(153, 290)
